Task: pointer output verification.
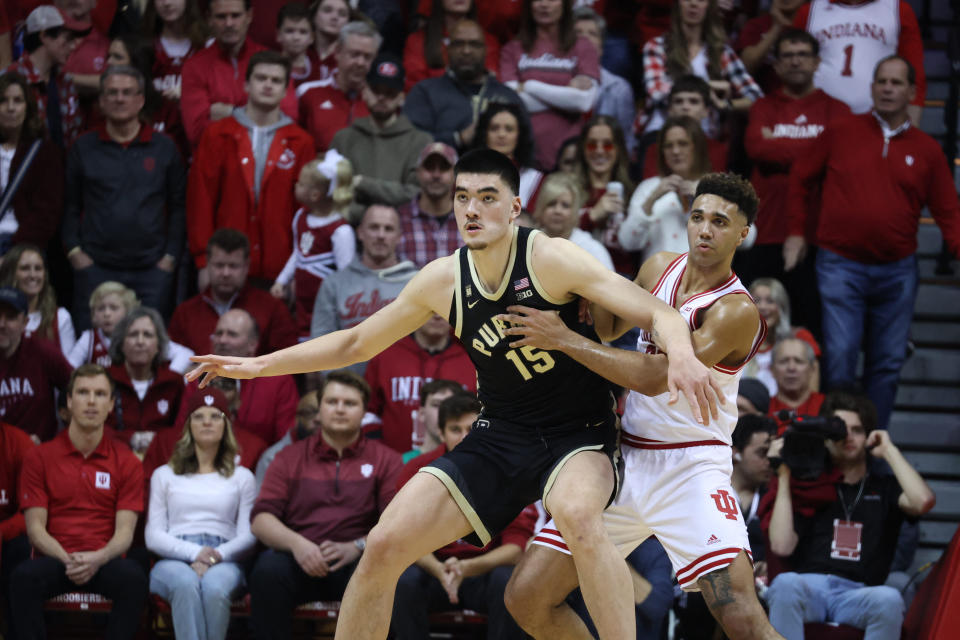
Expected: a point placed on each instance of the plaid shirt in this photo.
(71, 115)
(425, 237)
(658, 82)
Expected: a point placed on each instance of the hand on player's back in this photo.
(687, 375)
(212, 366)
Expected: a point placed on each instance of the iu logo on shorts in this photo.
(726, 504)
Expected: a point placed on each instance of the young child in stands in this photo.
(295, 37)
(323, 241)
(109, 303)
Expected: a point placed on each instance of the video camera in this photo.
(804, 450)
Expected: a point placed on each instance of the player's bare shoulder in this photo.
(434, 284)
(654, 266)
(553, 260)
(734, 317)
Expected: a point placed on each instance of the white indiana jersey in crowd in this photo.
(651, 423)
(853, 38)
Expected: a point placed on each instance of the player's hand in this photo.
(879, 444)
(310, 558)
(212, 366)
(452, 578)
(339, 554)
(540, 329)
(794, 249)
(687, 375)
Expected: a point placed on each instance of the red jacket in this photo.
(14, 445)
(210, 76)
(325, 109)
(796, 125)
(395, 376)
(873, 191)
(221, 192)
(268, 407)
(156, 412)
(195, 319)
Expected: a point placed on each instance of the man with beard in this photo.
(448, 106)
(385, 146)
(429, 230)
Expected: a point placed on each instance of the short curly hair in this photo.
(731, 188)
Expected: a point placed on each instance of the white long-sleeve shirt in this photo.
(664, 230)
(200, 503)
(68, 336)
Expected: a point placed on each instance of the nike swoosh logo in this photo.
(472, 305)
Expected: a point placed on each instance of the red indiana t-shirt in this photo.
(81, 495)
(27, 381)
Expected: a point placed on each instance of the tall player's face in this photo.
(485, 208)
(715, 229)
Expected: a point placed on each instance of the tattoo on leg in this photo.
(717, 589)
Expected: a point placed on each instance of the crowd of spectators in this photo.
(180, 177)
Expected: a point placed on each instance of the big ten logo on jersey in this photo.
(527, 359)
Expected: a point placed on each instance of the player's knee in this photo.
(520, 597)
(578, 521)
(384, 550)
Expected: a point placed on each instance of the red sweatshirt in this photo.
(27, 381)
(395, 376)
(795, 126)
(195, 319)
(873, 191)
(14, 445)
(210, 76)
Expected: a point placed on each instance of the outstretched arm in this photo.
(571, 270)
(429, 291)
(726, 335)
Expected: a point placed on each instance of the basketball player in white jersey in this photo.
(677, 472)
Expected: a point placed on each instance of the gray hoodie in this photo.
(260, 139)
(347, 298)
(386, 158)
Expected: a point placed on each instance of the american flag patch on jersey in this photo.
(522, 283)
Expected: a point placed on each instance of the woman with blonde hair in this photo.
(659, 209)
(557, 211)
(198, 522)
(773, 304)
(695, 43)
(109, 303)
(323, 240)
(25, 268)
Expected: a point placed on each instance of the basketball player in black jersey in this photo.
(546, 431)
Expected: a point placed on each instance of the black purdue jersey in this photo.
(524, 385)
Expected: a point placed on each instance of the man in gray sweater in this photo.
(383, 147)
(369, 283)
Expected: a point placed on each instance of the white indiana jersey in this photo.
(651, 423)
(852, 39)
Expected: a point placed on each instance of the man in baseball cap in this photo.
(429, 231)
(384, 147)
(50, 36)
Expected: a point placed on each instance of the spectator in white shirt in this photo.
(199, 522)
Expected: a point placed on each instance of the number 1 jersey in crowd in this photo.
(524, 386)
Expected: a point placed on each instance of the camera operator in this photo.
(837, 533)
